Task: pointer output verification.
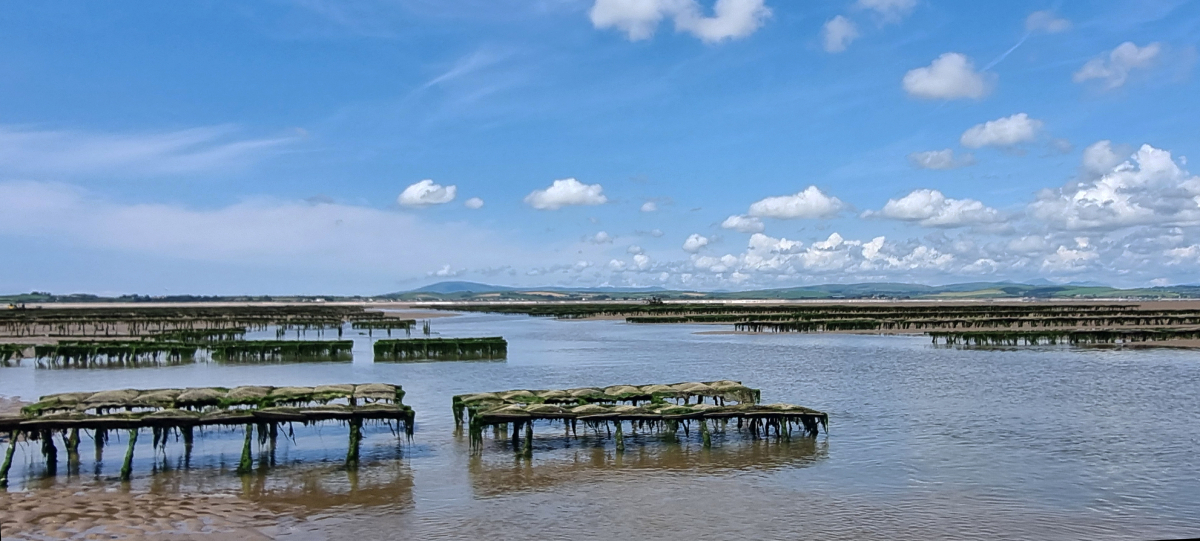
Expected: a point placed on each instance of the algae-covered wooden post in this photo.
(620, 439)
(188, 441)
(50, 452)
(247, 461)
(99, 438)
(273, 439)
(705, 435)
(8, 456)
(127, 467)
(527, 450)
(355, 442)
(72, 442)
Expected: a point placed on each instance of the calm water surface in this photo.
(924, 442)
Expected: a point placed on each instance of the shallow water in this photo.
(924, 442)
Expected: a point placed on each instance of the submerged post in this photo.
(188, 440)
(73, 451)
(50, 452)
(355, 440)
(527, 450)
(620, 439)
(247, 461)
(127, 467)
(98, 438)
(705, 435)
(8, 456)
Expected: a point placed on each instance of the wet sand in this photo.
(93, 512)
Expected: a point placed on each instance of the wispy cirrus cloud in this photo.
(41, 152)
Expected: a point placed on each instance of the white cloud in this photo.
(473, 203)
(694, 243)
(939, 159)
(889, 11)
(838, 33)
(1113, 69)
(1046, 21)
(1069, 259)
(425, 193)
(601, 238)
(649, 206)
(1002, 132)
(566, 192)
(1152, 189)
(66, 152)
(951, 76)
(641, 261)
(931, 208)
(809, 203)
(1100, 158)
(634, 249)
(617, 265)
(639, 19)
(445, 271)
(743, 224)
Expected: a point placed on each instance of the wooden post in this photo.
(127, 467)
(705, 436)
(620, 439)
(355, 440)
(527, 450)
(8, 456)
(273, 436)
(247, 462)
(50, 452)
(72, 442)
(188, 441)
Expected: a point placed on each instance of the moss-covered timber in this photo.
(182, 410)
(1072, 337)
(719, 392)
(133, 354)
(441, 349)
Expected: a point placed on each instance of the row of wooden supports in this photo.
(758, 429)
(71, 441)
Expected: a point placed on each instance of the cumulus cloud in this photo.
(616, 265)
(1150, 189)
(600, 238)
(694, 243)
(940, 159)
(809, 203)
(743, 224)
(1100, 158)
(951, 76)
(634, 249)
(473, 203)
(838, 33)
(1002, 132)
(641, 261)
(649, 206)
(931, 208)
(889, 11)
(426, 193)
(566, 192)
(1112, 70)
(639, 19)
(445, 272)
(1047, 22)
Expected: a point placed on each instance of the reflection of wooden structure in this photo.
(183, 410)
(644, 408)
(585, 462)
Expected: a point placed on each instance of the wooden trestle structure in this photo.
(184, 410)
(650, 408)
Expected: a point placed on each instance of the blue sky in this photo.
(281, 147)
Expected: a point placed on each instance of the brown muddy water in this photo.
(925, 442)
